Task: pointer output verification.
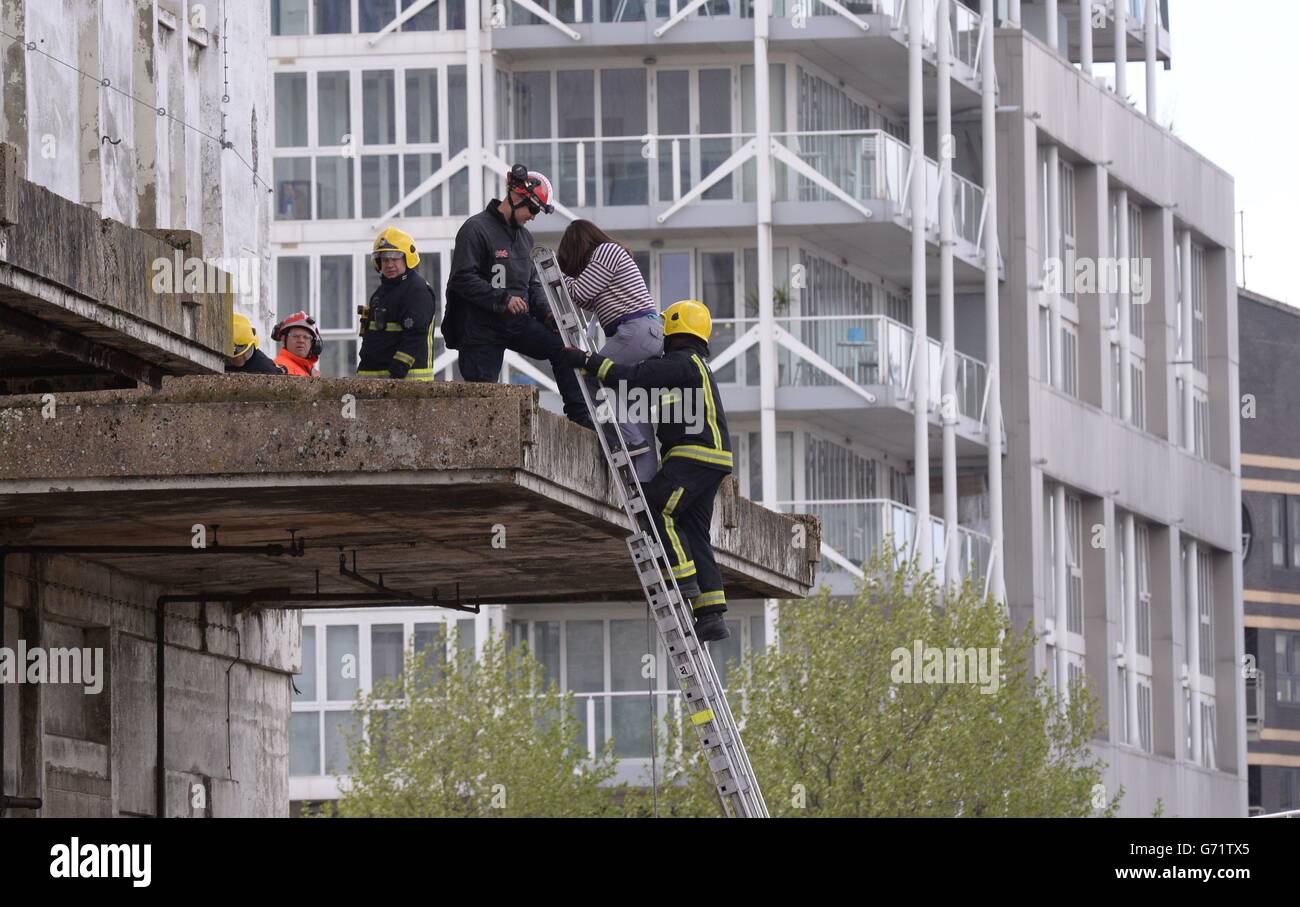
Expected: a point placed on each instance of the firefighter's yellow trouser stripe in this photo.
(604, 369)
(671, 529)
(404, 357)
(701, 454)
(681, 571)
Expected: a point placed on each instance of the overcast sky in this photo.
(1232, 95)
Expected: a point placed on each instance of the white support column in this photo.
(1121, 50)
(1060, 539)
(1151, 31)
(1053, 252)
(992, 322)
(1194, 646)
(1125, 408)
(474, 101)
(766, 315)
(920, 347)
(1013, 13)
(947, 326)
(1130, 627)
(1085, 35)
(1185, 354)
(1053, 27)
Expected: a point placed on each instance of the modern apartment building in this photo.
(870, 197)
(1270, 518)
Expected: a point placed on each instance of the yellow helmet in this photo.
(689, 316)
(244, 336)
(394, 240)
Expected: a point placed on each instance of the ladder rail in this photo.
(709, 710)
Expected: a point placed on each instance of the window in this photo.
(1205, 607)
(333, 108)
(1074, 563)
(1200, 338)
(1279, 530)
(342, 662)
(375, 14)
(1208, 736)
(333, 17)
(1067, 250)
(1116, 387)
(336, 310)
(1137, 310)
(1138, 387)
(1044, 344)
(1144, 715)
(1122, 688)
(1142, 549)
(1201, 424)
(1288, 667)
(292, 286)
(1070, 358)
(378, 105)
(290, 109)
(289, 17)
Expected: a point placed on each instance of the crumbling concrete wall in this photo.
(153, 159)
(227, 697)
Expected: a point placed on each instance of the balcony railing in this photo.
(624, 716)
(867, 164)
(1254, 705)
(857, 529)
(872, 165)
(964, 22)
(871, 350)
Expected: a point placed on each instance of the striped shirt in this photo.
(612, 285)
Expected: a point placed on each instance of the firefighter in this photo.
(245, 358)
(302, 345)
(397, 324)
(495, 300)
(695, 450)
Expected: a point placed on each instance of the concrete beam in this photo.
(432, 485)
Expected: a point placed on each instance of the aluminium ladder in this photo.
(701, 689)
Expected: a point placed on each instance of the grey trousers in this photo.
(635, 341)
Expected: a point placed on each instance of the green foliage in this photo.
(479, 738)
(830, 732)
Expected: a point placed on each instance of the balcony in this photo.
(853, 531)
(872, 353)
(1103, 39)
(864, 41)
(846, 190)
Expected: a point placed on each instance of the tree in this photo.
(481, 737)
(837, 724)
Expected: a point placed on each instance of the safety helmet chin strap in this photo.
(515, 206)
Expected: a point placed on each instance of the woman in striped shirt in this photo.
(602, 277)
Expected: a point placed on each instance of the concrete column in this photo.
(88, 111)
(13, 63)
(1130, 626)
(1053, 254)
(1085, 35)
(1152, 31)
(947, 327)
(920, 348)
(992, 326)
(474, 102)
(1125, 408)
(145, 118)
(1194, 645)
(1060, 538)
(1121, 51)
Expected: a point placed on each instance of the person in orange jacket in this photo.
(302, 345)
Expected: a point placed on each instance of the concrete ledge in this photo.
(434, 486)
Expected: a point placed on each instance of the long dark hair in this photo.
(578, 244)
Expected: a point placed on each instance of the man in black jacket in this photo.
(495, 301)
(695, 448)
(397, 323)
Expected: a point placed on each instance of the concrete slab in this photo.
(430, 485)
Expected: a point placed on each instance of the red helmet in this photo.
(531, 188)
(300, 320)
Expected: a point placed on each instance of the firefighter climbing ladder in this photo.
(690, 663)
